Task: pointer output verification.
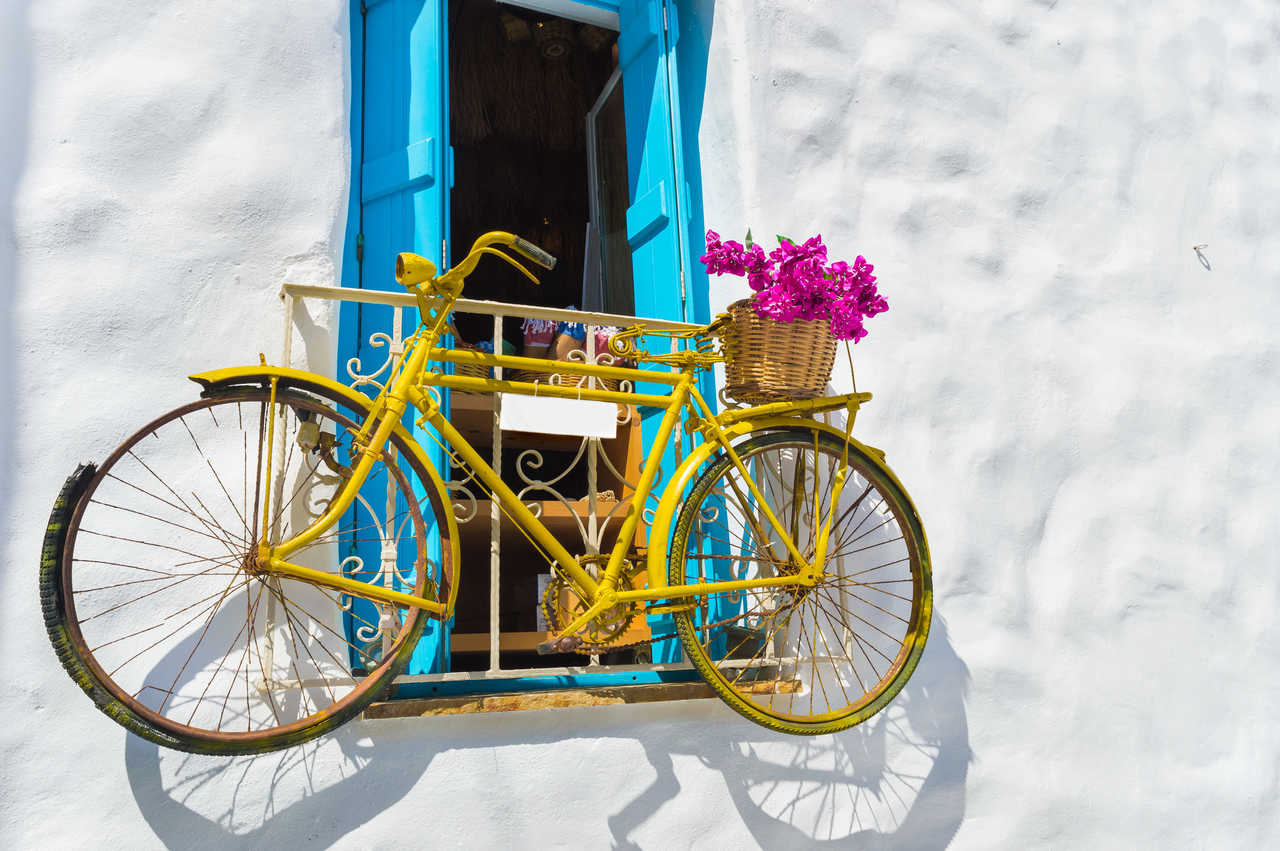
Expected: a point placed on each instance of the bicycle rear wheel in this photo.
(803, 660)
(154, 603)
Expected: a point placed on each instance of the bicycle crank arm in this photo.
(566, 641)
(365, 590)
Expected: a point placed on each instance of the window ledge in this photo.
(550, 699)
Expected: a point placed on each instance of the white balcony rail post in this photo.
(495, 518)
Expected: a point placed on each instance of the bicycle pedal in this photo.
(567, 644)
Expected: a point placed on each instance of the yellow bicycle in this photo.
(197, 583)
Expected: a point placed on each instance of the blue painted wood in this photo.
(655, 165)
(402, 169)
(399, 74)
(648, 215)
(535, 683)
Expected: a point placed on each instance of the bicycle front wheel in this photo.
(152, 595)
(795, 659)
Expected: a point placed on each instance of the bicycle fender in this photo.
(239, 376)
(668, 506)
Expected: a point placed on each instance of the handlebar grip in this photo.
(533, 253)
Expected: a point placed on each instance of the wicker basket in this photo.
(772, 361)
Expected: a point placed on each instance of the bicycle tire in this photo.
(332, 661)
(773, 668)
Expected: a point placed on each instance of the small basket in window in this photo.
(570, 338)
(470, 370)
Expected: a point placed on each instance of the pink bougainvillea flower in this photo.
(795, 282)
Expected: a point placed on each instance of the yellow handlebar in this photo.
(529, 251)
(412, 270)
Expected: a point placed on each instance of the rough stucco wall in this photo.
(1083, 411)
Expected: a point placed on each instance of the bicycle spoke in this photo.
(158, 519)
(850, 578)
(166, 637)
(825, 637)
(765, 644)
(878, 608)
(321, 623)
(117, 607)
(329, 537)
(166, 540)
(203, 632)
(148, 544)
(127, 566)
(871, 546)
(852, 666)
(306, 483)
(315, 664)
(250, 607)
(871, 587)
(214, 471)
(180, 500)
(879, 630)
(348, 612)
(871, 512)
(232, 543)
(839, 522)
(150, 579)
(827, 647)
(293, 660)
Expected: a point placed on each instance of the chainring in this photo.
(561, 605)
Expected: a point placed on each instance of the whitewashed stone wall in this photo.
(1084, 409)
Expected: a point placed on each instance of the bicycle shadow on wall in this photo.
(897, 781)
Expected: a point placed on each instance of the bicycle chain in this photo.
(554, 624)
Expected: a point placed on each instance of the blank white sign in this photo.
(549, 415)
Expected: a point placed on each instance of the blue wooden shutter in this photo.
(402, 186)
(655, 220)
(646, 54)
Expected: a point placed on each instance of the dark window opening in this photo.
(524, 88)
(539, 146)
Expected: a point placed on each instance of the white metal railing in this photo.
(594, 515)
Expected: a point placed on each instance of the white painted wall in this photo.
(1084, 411)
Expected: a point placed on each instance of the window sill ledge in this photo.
(527, 700)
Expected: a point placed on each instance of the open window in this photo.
(555, 120)
(538, 135)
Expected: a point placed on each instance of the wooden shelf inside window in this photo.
(478, 642)
(473, 416)
(560, 519)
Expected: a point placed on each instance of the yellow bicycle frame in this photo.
(436, 296)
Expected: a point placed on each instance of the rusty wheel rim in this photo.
(286, 655)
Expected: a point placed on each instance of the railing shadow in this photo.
(897, 781)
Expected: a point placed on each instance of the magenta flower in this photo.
(795, 282)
